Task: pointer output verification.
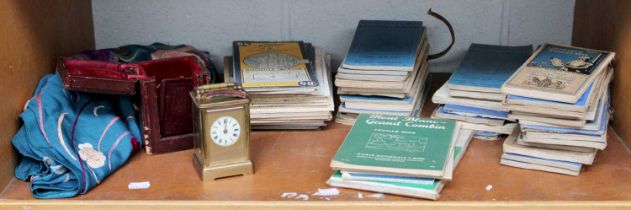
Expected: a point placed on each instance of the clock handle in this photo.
(236, 93)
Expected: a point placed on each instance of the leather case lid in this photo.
(99, 76)
(175, 107)
(163, 86)
(169, 68)
(115, 78)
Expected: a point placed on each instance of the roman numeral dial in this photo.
(225, 131)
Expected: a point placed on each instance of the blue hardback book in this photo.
(385, 45)
(486, 67)
(450, 108)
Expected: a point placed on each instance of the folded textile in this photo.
(71, 141)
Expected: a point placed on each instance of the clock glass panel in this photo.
(225, 131)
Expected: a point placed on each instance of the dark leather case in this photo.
(161, 88)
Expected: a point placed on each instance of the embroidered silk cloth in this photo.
(71, 141)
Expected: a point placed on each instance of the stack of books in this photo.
(384, 71)
(289, 83)
(399, 155)
(560, 96)
(473, 93)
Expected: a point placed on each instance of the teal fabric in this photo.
(70, 141)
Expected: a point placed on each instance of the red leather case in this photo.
(161, 87)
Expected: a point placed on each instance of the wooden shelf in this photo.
(298, 161)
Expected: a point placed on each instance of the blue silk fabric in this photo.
(70, 141)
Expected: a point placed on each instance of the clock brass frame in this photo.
(213, 161)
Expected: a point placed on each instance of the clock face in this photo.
(225, 131)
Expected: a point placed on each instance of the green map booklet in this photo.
(396, 145)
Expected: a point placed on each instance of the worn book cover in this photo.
(385, 45)
(273, 64)
(511, 146)
(538, 167)
(427, 191)
(441, 113)
(441, 96)
(486, 67)
(398, 145)
(559, 73)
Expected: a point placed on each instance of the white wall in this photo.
(213, 24)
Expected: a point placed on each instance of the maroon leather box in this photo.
(162, 88)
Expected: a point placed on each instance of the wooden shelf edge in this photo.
(192, 205)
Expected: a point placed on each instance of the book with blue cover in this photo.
(600, 121)
(359, 176)
(535, 166)
(475, 111)
(343, 108)
(511, 146)
(360, 102)
(486, 135)
(385, 45)
(441, 113)
(543, 161)
(486, 67)
(441, 96)
(581, 103)
(371, 77)
(377, 99)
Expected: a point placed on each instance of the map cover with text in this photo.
(273, 64)
(397, 145)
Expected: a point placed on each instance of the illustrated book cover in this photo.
(558, 73)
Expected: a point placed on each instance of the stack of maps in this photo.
(289, 83)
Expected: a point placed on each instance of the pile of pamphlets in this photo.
(289, 83)
(399, 155)
(473, 93)
(384, 71)
(560, 96)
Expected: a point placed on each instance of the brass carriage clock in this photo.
(221, 114)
